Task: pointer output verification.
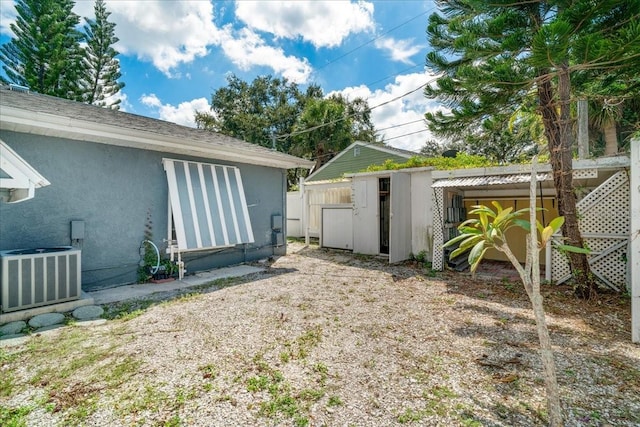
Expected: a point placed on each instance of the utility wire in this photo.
(394, 75)
(353, 115)
(406, 134)
(400, 125)
(372, 40)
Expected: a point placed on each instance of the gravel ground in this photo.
(327, 338)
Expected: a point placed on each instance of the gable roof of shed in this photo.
(339, 165)
(39, 114)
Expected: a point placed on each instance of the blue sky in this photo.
(175, 54)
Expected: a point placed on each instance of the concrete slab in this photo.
(140, 290)
(94, 322)
(14, 340)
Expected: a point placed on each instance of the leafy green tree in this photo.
(101, 68)
(275, 113)
(45, 53)
(324, 130)
(493, 55)
(329, 125)
(256, 112)
(501, 140)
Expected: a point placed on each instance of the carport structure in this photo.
(609, 212)
(604, 203)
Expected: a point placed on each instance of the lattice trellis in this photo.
(438, 228)
(604, 224)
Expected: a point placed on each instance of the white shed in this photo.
(392, 213)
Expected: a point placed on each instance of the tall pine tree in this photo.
(101, 69)
(45, 53)
(494, 55)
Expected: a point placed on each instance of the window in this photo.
(208, 205)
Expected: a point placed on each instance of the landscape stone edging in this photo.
(46, 319)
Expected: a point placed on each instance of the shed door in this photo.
(337, 228)
(365, 215)
(400, 229)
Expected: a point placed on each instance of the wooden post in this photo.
(583, 129)
(634, 244)
(305, 210)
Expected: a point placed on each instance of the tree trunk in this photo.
(610, 138)
(320, 155)
(558, 131)
(530, 276)
(532, 286)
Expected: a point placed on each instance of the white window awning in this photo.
(477, 181)
(18, 179)
(208, 205)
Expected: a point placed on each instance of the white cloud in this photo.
(183, 114)
(399, 50)
(246, 49)
(322, 23)
(168, 33)
(395, 106)
(8, 15)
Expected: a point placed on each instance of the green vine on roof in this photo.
(461, 161)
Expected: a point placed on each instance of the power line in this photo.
(394, 75)
(372, 40)
(353, 115)
(400, 125)
(406, 134)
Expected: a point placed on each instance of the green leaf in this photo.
(497, 205)
(523, 224)
(476, 263)
(467, 244)
(484, 221)
(471, 221)
(455, 240)
(479, 209)
(477, 252)
(468, 230)
(502, 215)
(574, 249)
(546, 234)
(556, 223)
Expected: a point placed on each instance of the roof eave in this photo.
(19, 120)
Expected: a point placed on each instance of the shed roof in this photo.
(28, 112)
(347, 161)
(475, 181)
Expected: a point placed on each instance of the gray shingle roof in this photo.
(76, 111)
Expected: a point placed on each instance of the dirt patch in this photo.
(330, 338)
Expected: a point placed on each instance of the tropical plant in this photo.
(326, 126)
(488, 230)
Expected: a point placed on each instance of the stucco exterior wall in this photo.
(111, 189)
